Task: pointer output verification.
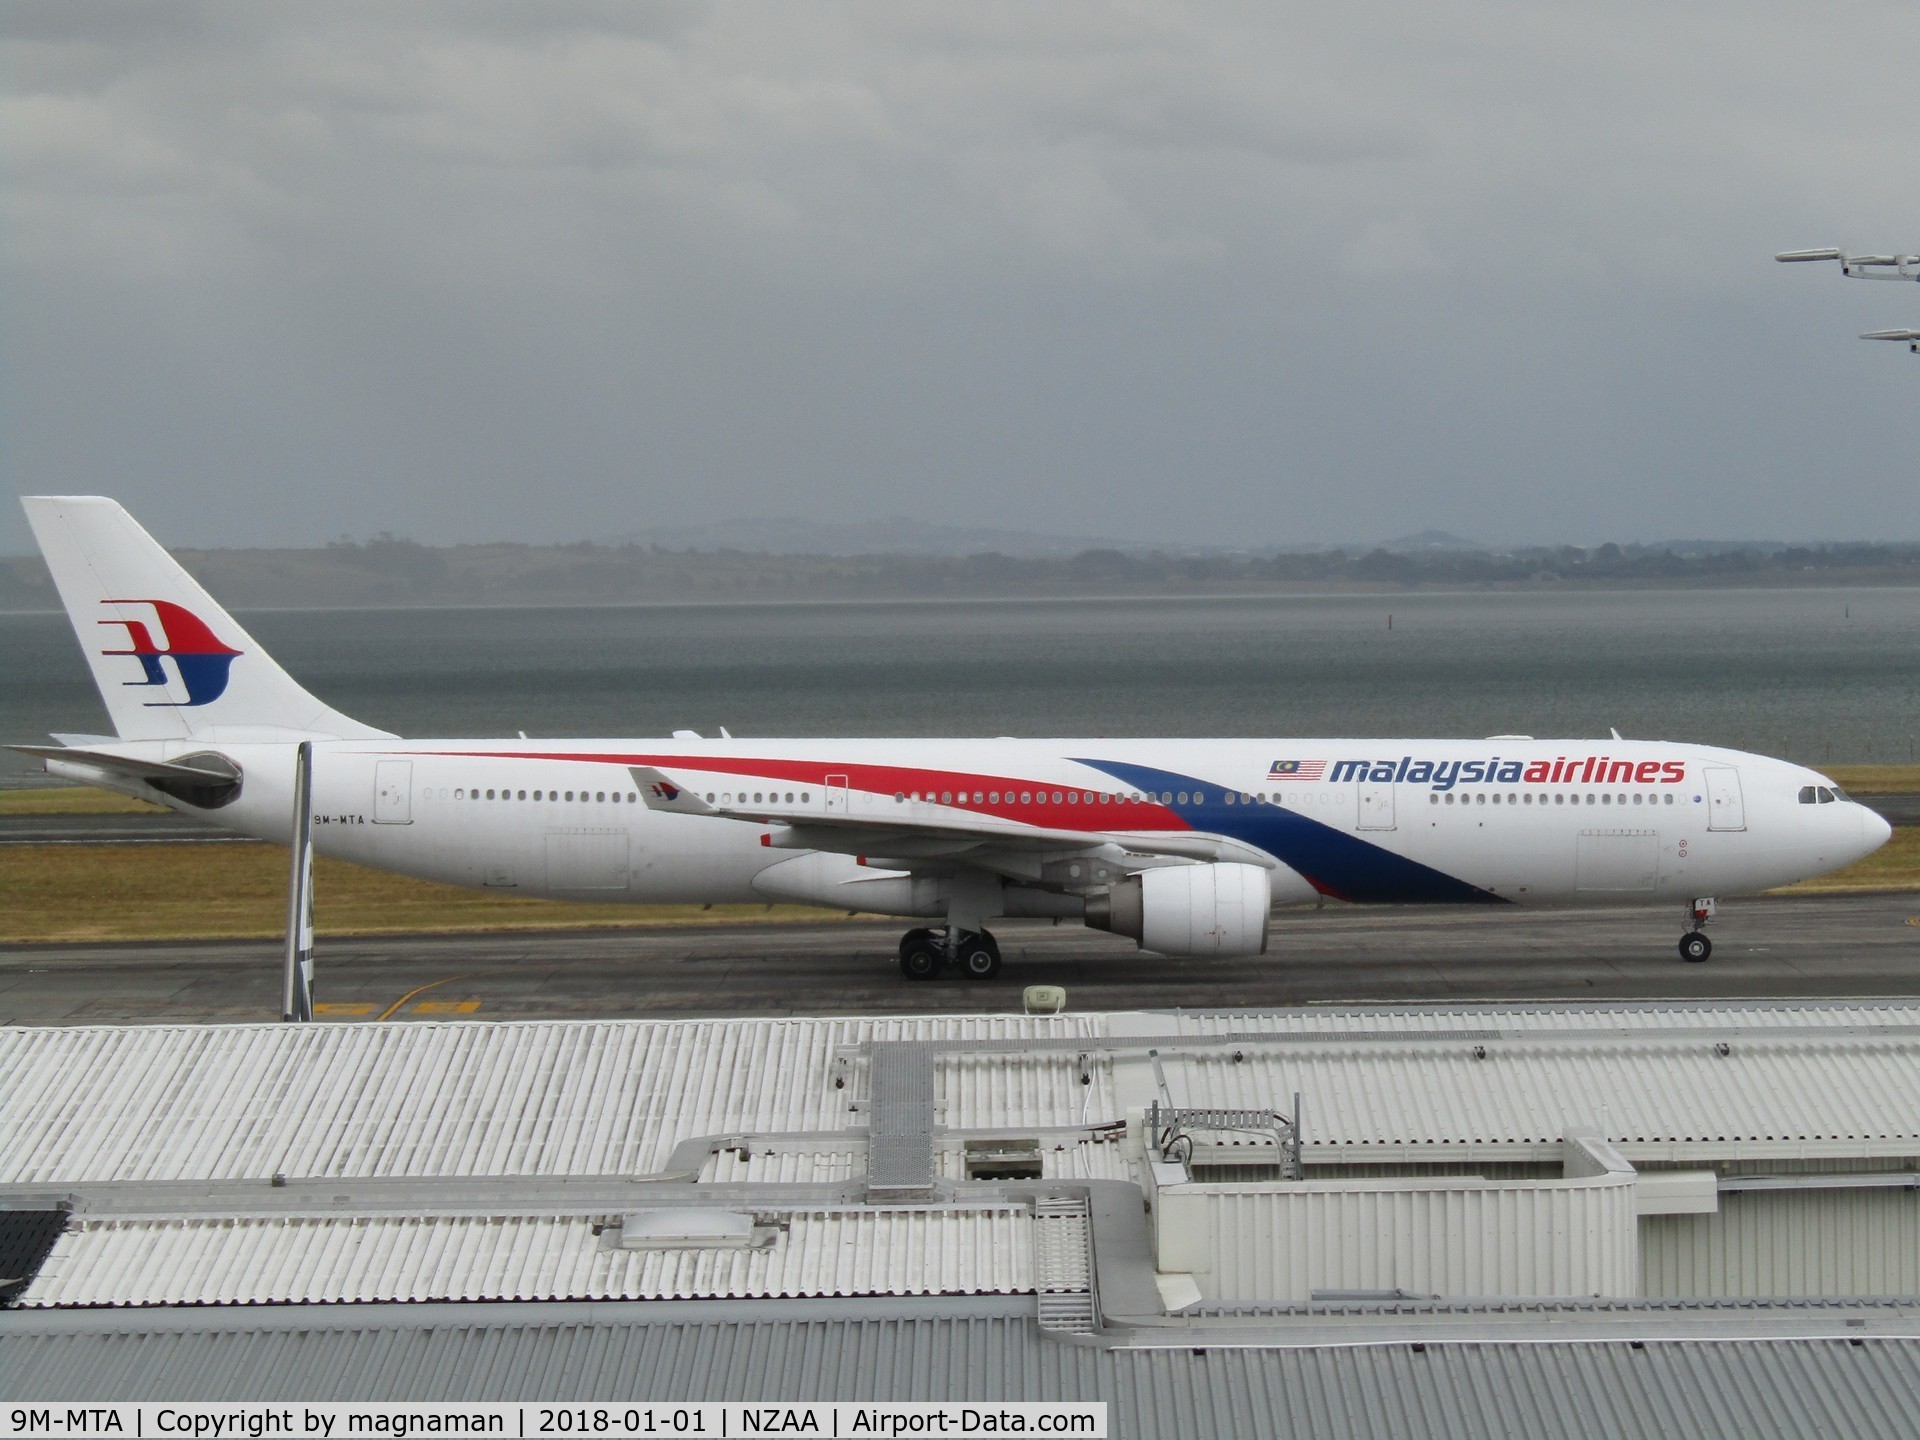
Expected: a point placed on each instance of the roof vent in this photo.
(691, 1230)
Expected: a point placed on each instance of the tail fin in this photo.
(170, 663)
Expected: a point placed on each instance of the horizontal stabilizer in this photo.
(115, 764)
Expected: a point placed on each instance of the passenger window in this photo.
(1559, 799)
(1606, 799)
(1449, 797)
(1433, 799)
(460, 794)
(1228, 798)
(946, 797)
(1481, 798)
(993, 797)
(1026, 797)
(523, 794)
(899, 797)
(1056, 797)
(489, 794)
(1669, 797)
(570, 795)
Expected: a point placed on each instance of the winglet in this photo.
(661, 791)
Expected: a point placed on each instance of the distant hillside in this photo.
(396, 572)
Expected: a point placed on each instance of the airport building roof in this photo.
(847, 1250)
(971, 1207)
(1616, 1388)
(571, 1098)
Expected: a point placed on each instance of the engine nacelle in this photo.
(1199, 910)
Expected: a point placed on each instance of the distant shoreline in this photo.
(391, 573)
(1299, 591)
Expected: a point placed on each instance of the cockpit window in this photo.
(1806, 794)
(1826, 795)
(1840, 794)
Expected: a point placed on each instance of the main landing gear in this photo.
(1694, 945)
(924, 952)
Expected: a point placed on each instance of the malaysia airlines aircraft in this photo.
(1183, 845)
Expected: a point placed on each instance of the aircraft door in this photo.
(1376, 805)
(837, 795)
(393, 792)
(1726, 810)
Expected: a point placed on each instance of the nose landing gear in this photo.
(1694, 945)
(924, 952)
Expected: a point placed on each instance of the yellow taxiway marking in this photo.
(446, 1007)
(388, 1013)
(357, 1007)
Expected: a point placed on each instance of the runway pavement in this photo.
(1802, 946)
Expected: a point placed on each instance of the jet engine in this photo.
(1198, 910)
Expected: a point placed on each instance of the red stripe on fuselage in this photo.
(1106, 812)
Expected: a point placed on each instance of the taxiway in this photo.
(1779, 946)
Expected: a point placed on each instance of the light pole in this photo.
(297, 992)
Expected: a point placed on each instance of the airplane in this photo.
(1868, 267)
(1184, 846)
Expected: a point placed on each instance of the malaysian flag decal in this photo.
(1297, 770)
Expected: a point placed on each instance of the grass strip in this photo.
(209, 892)
(1894, 866)
(71, 800)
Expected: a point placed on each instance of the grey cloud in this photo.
(1149, 270)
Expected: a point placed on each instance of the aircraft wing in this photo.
(953, 837)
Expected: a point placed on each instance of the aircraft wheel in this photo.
(1695, 947)
(979, 957)
(920, 959)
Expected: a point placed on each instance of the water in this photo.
(1821, 675)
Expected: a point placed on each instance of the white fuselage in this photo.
(1535, 823)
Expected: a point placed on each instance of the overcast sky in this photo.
(1216, 273)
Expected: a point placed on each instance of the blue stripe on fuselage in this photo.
(1332, 861)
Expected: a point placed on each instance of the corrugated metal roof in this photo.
(829, 1162)
(1626, 1014)
(1755, 1390)
(301, 1260)
(1773, 1092)
(565, 1098)
(510, 1098)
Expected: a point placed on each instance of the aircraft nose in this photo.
(1874, 830)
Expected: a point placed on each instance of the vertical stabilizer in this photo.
(170, 663)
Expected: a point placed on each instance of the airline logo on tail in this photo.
(201, 659)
